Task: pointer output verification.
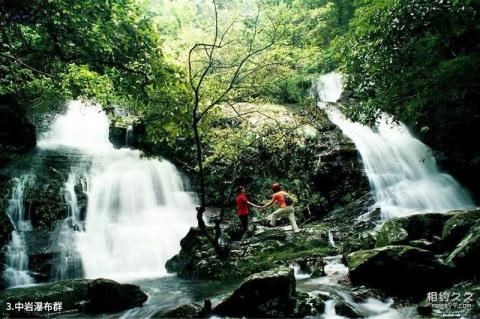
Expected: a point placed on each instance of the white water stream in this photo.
(138, 209)
(16, 264)
(401, 169)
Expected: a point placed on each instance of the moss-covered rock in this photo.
(109, 296)
(344, 309)
(392, 233)
(263, 249)
(308, 305)
(419, 226)
(184, 311)
(71, 293)
(398, 270)
(465, 257)
(75, 295)
(259, 293)
(360, 241)
(457, 227)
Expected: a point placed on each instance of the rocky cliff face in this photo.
(45, 207)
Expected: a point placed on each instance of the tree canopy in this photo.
(415, 59)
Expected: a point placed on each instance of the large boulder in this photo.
(71, 293)
(184, 311)
(457, 227)
(262, 249)
(344, 309)
(398, 270)
(110, 296)
(420, 226)
(259, 293)
(466, 256)
(75, 295)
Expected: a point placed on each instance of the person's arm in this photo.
(253, 205)
(268, 204)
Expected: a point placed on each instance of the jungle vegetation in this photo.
(178, 65)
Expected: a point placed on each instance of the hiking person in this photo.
(243, 207)
(286, 206)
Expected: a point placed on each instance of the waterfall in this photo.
(16, 270)
(401, 169)
(129, 136)
(67, 262)
(138, 209)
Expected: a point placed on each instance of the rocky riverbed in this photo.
(408, 262)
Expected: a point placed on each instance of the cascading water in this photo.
(129, 136)
(67, 260)
(137, 209)
(16, 271)
(401, 169)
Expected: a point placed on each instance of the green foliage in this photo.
(104, 51)
(256, 151)
(419, 61)
(80, 82)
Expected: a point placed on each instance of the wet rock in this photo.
(264, 249)
(117, 136)
(391, 233)
(398, 270)
(71, 293)
(465, 256)
(6, 228)
(109, 296)
(184, 311)
(361, 241)
(362, 293)
(41, 265)
(370, 219)
(457, 227)
(260, 294)
(344, 309)
(404, 229)
(76, 295)
(422, 244)
(308, 305)
(313, 266)
(233, 231)
(424, 309)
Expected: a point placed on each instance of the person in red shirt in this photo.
(279, 198)
(243, 206)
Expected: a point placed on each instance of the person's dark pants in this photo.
(243, 222)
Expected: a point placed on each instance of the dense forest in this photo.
(226, 90)
(416, 60)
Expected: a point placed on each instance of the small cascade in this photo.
(137, 211)
(67, 260)
(331, 241)
(401, 169)
(16, 272)
(129, 136)
(332, 286)
(77, 178)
